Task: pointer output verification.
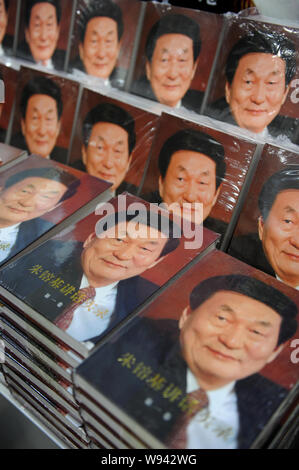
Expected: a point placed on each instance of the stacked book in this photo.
(39, 198)
(206, 365)
(125, 256)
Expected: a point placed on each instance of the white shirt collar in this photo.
(11, 229)
(48, 65)
(104, 290)
(2, 53)
(217, 397)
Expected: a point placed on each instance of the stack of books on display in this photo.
(49, 322)
(206, 365)
(10, 155)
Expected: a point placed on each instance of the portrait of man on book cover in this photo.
(268, 238)
(175, 54)
(26, 195)
(210, 374)
(44, 114)
(193, 168)
(103, 40)
(112, 141)
(259, 71)
(7, 26)
(44, 31)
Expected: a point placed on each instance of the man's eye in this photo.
(256, 332)
(288, 221)
(221, 318)
(181, 179)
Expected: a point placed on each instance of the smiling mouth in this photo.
(221, 356)
(114, 265)
(17, 211)
(256, 112)
(41, 142)
(292, 256)
(171, 87)
(106, 176)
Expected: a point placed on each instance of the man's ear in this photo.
(129, 163)
(81, 51)
(148, 70)
(261, 227)
(27, 35)
(89, 239)
(119, 47)
(84, 154)
(58, 128)
(161, 187)
(184, 317)
(194, 68)
(217, 194)
(227, 92)
(275, 353)
(285, 94)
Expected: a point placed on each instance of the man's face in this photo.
(190, 178)
(28, 199)
(41, 125)
(100, 49)
(119, 254)
(257, 91)
(107, 154)
(172, 68)
(3, 20)
(280, 236)
(229, 337)
(43, 31)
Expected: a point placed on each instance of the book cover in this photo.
(93, 275)
(266, 235)
(103, 41)
(9, 75)
(255, 84)
(43, 33)
(45, 109)
(36, 195)
(112, 141)
(197, 165)
(175, 55)
(208, 364)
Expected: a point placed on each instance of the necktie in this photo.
(197, 401)
(65, 319)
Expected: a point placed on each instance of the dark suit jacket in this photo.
(29, 232)
(63, 259)
(58, 57)
(155, 344)
(280, 126)
(7, 44)
(192, 99)
(58, 154)
(249, 249)
(117, 77)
